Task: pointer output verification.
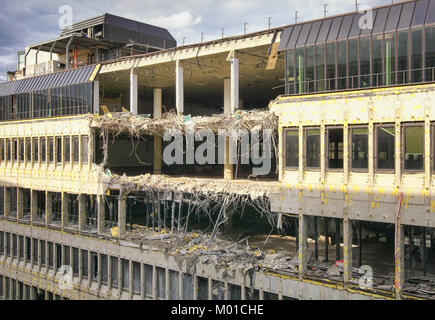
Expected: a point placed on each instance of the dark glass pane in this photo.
(66, 142)
(402, 57)
(431, 12)
(406, 15)
(416, 55)
(360, 148)
(292, 148)
(335, 148)
(335, 27)
(76, 149)
(294, 36)
(430, 53)
(313, 148)
(345, 27)
(324, 30)
(385, 146)
(393, 18)
(353, 63)
(419, 13)
(365, 62)
(290, 71)
(84, 151)
(300, 70)
(414, 147)
(355, 29)
(309, 83)
(320, 67)
(381, 19)
(285, 36)
(43, 149)
(304, 34)
(330, 66)
(50, 149)
(377, 60)
(314, 32)
(390, 55)
(341, 65)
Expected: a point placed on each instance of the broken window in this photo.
(125, 273)
(51, 149)
(58, 150)
(35, 150)
(312, 148)
(414, 147)
(291, 148)
(335, 148)
(84, 263)
(75, 252)
(84, 149)
(76, 149)
(28, 248)
(43, 149)
(66, 149)
(66, 252)
(104, 268)
(94, 260)
(360, 148)
(385, 147)
(114, 271)
(136, 277)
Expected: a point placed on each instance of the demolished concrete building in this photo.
(345, 211)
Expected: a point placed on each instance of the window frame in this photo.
(284, 132)
(358, 126)
(376, 127)
(403, 145)
(327, 128)
(305, 138)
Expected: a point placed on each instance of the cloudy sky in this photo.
(27, 22)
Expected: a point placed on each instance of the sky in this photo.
(28, 22)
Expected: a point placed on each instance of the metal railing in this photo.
(362, 81)
(44, 113)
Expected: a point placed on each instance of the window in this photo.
(8, 150)
(58, 150)
(35, 150)
(360, 148)
(42, 247)
(353, 63)
(51, 149)
(28, 149)
(385, 147)
(43, 149)
(76, 150)
(414, 147)
(21, 150)
(84, 149)
(335, 148)
(309, 84)
(312, 148)
(341, 64)
(66, 149)
(75, 252)
(330, 66)
(364, 47)
(402, 57)
(430, 53)
(50, 254)
(320, 67)
(125, 273)
(390, 54)
(84, 254)
(104, 265)
(291, 147)
(114, 269)
(416, 55)
(300, 56)
(2, 149)
(377, 61)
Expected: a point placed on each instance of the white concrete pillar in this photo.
(179, 88)
(227, 96)
(33, 206)
(228, 166)
(133, 91)
(303, 244)
(96, 98)
(122, 216)
(399, 260)
(234, 84)
(48, 208)
(347, 249)
(101, 214)
(157, 114)
(64, 210)
(82, 211)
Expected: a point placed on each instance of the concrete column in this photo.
(48, 208)
(99, 270)
(64, 210)
(303, 244)
(154, 284)
(234, 83)
(33, 206)
(180, 286)
(167, 285)
(7, 201)
(101, 214)
(39, 255)
(157, 139)
(130, 278)
(228, 166)
(399, 260)
(89, 268)
(142, 281)
(20, 203)
(347, 249)
(195, 287)
(122, 216)
(32, 257)
(96, 98)
(227, 96)
(119, 277)
(80, 267)
(179, 88)
(82, 211)
(210, 289)
(227, 291)
(133, 91)
(109, 272)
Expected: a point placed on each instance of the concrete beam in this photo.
(133, 91)
(179, 88)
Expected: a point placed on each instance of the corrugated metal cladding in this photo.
(387, 19)
(54, 80)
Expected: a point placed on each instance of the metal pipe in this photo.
(67, 52)
(51, 50)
